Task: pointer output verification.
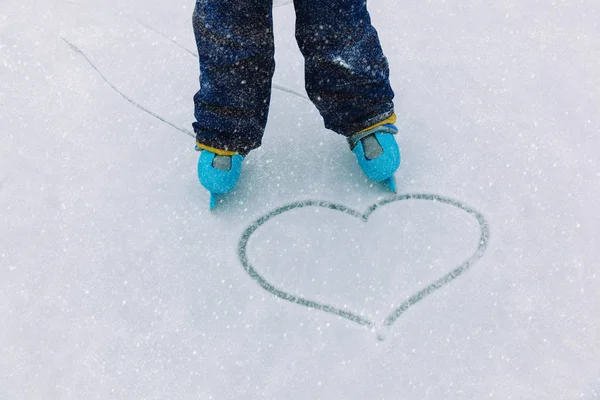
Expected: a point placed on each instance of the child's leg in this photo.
(346, 71)
(235, 47)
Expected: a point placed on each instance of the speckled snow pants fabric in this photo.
(346, 72)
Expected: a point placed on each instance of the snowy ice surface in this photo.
(118, 283)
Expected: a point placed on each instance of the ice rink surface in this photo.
(480, 280)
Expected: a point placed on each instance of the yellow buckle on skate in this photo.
(215, 150)
(390, 120)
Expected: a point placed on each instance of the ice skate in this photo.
(218, 174)
(377, 153)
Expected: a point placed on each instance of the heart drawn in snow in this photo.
(354, 317)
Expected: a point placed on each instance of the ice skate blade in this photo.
(213, 200)
(391, 183)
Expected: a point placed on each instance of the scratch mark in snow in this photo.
(129, 99)
(364, 217)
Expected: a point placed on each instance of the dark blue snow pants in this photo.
(346, 73)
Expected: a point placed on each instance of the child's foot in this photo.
(218, 173)
(377, 153)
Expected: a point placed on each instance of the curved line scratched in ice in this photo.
(141, 107)
(162, 35)
(129, 99)
(412, 300)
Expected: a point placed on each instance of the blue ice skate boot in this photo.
(377, 153)
(218, 173)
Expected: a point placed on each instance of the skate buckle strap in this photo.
(220, 152)
(354, 139)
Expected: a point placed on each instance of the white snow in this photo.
(118, 283)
